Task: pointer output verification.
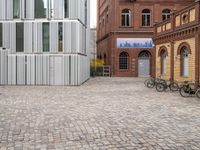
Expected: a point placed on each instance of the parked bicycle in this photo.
(188, 89)
(152, 82)
(198, 93)
(163, 86)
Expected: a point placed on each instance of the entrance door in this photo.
(144, 64)
(56, 70)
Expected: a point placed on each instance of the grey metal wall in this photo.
(74, 36)
(76, 10)
(34, 69)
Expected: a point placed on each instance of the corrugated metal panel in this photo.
(29, 14)
(3, 67)
(9, 9)
(13, 37)
(6, 35)
(45, 70)
(34, 69)
(74, 37)
(39, 70)
(67, 37)
(67, 70)
(12, 70)
(73, 12)
(28, 37)
(77, 10)
(54, 37)
(58, 9)
(21, 71)
(3, 9)
(84, 40)
(30, 67)
(38, 37)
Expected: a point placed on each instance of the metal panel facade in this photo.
(36, 57)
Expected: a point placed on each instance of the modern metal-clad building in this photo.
(44, 42)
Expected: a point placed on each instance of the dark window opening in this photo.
(19, 37)
(123, 61)
(45, 35)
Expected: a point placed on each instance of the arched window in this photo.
(126, 18)
(184, 61)
(166, 14)
(163, 62)
(123, 61)
(146, 17)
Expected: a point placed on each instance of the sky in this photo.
(93, 13)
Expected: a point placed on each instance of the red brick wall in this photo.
(109, 29)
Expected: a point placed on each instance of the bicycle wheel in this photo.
(150, 84)
(197, 93)
(160, 87)
(174, 87)
(146, 81)
(184, 91)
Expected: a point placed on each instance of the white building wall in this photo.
(33, 66)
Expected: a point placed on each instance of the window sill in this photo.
(184, 76)
(125, 27)
(123, 70)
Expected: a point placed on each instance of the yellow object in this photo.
(97, 63)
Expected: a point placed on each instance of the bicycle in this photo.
(198, 93)
(163, 86)
(188, 89)
(152, 82)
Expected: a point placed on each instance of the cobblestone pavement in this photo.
(104, 113)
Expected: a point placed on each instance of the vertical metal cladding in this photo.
(54, 54)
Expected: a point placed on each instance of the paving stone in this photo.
(104, 113)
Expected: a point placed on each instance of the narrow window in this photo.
(1, 35)
(41, 8)
(66, 8)
(60, 37)
(166, 14)
(19, 37)
(25, 10)
(16, 9)
(146, 18)
(163, 62)
(45, 37)
(184, 62)
(86, 12)
(123, 61)
(126, 18)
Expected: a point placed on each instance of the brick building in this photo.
(125, 31)
(178, 45)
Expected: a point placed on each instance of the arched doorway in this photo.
(144, 64)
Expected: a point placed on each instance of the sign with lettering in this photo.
(135, 43)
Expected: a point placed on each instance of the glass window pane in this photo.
(143, 20)
(148, 20)
(127, 20)
(19, 37)
(60, 37)
(41, 8)
(123, 20)
(1, 35)
(123, 61)
(66, 8)
(86, 12)
(45, 36)
(16, 9)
